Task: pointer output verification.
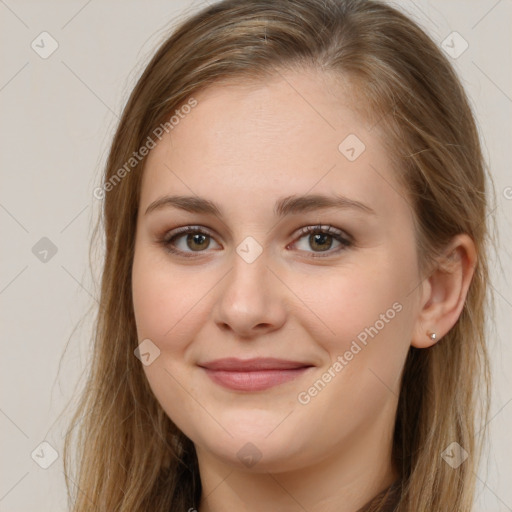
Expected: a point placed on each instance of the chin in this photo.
(257, 457)
(259, 451)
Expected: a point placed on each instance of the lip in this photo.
(253, 374)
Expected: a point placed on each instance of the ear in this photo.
(444, 292)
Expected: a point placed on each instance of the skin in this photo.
(244, 146)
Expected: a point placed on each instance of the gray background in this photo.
(58, 116)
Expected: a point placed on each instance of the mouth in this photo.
(253, 374)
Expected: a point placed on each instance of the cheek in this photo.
(368, 322)
(168, 311)
(358, 303)
(370, 312)
(154, 302)
(169, 304)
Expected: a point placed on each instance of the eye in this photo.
(322, 237)
(196, 238)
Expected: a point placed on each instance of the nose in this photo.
(251, 302)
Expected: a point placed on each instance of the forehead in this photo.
(293, 134)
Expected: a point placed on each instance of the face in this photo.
(313, 327)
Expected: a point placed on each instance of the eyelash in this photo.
(345, 241)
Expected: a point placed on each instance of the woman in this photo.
(293, 295)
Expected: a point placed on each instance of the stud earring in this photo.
(432, 335)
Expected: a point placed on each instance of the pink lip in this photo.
(253, 374)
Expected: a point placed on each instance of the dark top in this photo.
(386, 501)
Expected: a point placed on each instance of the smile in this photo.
(253, 374)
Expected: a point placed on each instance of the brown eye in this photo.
(196, 239)
(321, 239)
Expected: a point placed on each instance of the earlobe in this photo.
(432, 335)
(425, 340)
(444, 292)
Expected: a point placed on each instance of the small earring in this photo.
(432, 335)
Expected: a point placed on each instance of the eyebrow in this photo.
(284, 206)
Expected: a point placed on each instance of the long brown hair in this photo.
(129, 454)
